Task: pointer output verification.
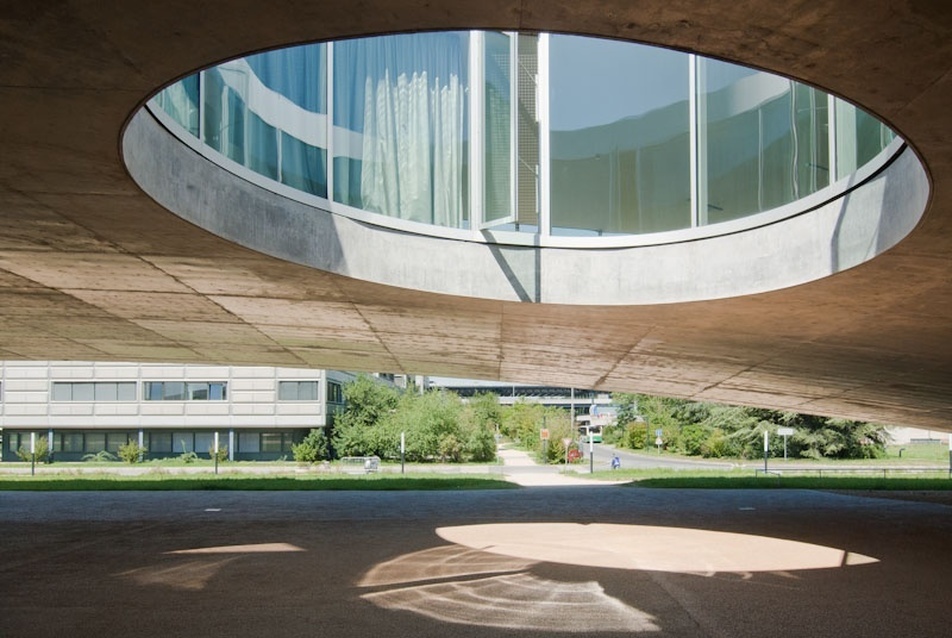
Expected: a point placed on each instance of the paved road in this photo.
(645, 460)
(530, 562)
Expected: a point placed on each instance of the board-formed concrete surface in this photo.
(660, 563)
(92, 269)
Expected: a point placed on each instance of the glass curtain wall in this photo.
(400, 119)
(762, 138)
(620, 143)
(629, 139)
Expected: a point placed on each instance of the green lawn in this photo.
(103, 482)
(748, 479)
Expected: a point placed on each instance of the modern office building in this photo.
(84, 408)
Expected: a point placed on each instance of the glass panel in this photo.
(620, 145)
(225, 111)
(527, 132)
(180, 101)
(204, 442)
(296, 73)
(115, 439)
(126, 391)
(62, 392)
(859, 138)
(303, 166)
(217, 391)
(270, 441)
(72, 442)
(95, 442)
(183, 442)
(160, 442)
(198, 391)
(83, 392)
(262, 151)
(812, 140)
(106, 391)
(766, 140)
(498, 126)
(287, 390)
(400, 126)
(307, 391)
(152, 390)
(249, 442)
(173, 391)
(335, 393)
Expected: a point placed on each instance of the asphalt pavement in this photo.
(536, 561)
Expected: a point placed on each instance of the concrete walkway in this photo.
(521, 469)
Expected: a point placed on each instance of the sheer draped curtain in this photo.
(405, 96)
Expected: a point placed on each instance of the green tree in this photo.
(313, 448)
(368, 404)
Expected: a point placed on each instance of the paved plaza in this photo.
(534, 561)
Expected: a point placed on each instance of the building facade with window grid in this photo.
(84, 408)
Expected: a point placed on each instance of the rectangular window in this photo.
(95, 442)
(182, 391)
(95, 391)
(249, 442)
(83, 392)
(115, 439)
(335, 392)
(183, 442)
(204, 442)
(160, 442)
(297, 390)
(72, 442)
(271, 442)
(105, 391)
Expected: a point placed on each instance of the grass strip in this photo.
(795, 483)
(255, 483)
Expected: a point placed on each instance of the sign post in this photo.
(32, 453)
(785, 432)
(766, 448)
(215, 451)
(403, 452)
(658, 440)
(591, 453)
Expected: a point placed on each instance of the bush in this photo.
(313, 448)
(42, 451)
(187, 457)
(222, 453)
(132, 452)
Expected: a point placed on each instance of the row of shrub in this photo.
(714, 431)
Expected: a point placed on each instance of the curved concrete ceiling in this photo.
(92, 269)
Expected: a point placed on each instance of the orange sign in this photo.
(544, 432)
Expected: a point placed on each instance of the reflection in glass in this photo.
(859, 138)
(400, 102)
(639, 139)
(764, 140)
(180, 101)
(620, 146)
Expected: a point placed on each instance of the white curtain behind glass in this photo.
(411, 116)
